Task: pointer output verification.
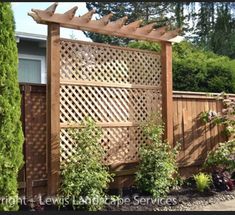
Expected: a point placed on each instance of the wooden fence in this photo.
(196, 138)
(33, 176)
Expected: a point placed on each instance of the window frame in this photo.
(43, 64)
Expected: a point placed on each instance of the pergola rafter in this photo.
(104, 25)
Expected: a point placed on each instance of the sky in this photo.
(25, 23)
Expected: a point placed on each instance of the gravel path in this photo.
(204, 203)
(191, 203)
(188, 201)
(222, 206)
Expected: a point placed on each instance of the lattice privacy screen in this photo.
(118, 87)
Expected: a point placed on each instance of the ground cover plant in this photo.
(203, 181)
(11, 135)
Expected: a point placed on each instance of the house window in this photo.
(31, 69)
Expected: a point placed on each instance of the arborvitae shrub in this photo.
(11, 136)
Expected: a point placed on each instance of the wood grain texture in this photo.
(53, 107)
(167, 87)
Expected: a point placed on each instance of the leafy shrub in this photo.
(195, 69)
(11, 135)
(210, 116)
(151, 46)
(85, 176)
(203, 181)
(222, 157)
(157, 166)
(225, 118)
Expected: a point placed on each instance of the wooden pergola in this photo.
(105, 26)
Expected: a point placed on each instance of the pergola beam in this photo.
(104, 25)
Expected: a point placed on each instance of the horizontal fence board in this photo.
(101, 124)
(121, 48)
(108, 84)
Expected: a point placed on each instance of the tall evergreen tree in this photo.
(11, 136)
(205, 23)
(147, 11)
(179, 14)
(223, 35)
(202, 22)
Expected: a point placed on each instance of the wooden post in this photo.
(53, 107)
(167, 95)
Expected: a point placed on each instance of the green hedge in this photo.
(197, 70)
(11, 136)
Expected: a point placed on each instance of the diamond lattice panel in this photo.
(120, 144)
(35, 137)
(118, 87)
(91, 62)
(105, 104)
